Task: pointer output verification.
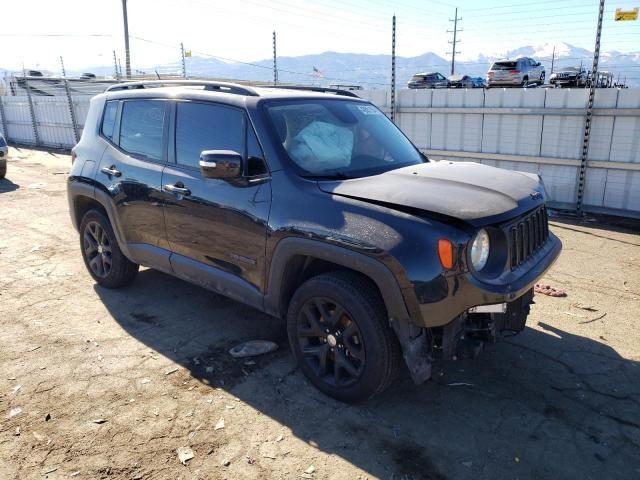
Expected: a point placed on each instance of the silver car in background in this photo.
(4, 153)
(515, 73)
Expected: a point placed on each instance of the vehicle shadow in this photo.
(544, 404)
(7, 186)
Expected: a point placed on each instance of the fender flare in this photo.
(372, 268)
(88, 190)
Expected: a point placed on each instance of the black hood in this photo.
(472, 192)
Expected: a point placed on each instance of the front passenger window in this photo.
(201, 126)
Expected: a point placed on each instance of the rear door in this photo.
(216, 228)
(130, 173)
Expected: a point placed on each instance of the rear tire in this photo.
(341, 338)
(542, 78)
(525, 81)
(101, 253)
(3, 170)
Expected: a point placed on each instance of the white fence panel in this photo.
(528, 130)
(517, 129)
(54, 121)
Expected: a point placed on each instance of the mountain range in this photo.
(374, 71)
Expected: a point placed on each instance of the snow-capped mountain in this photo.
(373, 71)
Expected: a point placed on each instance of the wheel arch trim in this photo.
(288, 248)
(81, 189)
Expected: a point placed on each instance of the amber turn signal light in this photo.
(445, 252)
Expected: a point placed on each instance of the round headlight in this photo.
(480, 250)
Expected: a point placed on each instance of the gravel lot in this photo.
(109, 384)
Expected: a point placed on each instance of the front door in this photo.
(216, 228)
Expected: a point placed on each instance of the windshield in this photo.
(340, 138)
(504, 65)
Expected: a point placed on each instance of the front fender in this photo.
(288, 248)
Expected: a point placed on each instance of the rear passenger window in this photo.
(207, 127)
(109, 119)
(141, 128)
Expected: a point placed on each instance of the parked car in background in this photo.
(428, 80)
(515, 73)
(478, 82)
(4, 153)
(460, 81)
(570, 77)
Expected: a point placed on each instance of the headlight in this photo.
(480, 250)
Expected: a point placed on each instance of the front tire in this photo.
(101, 254)
(3, 170)
(341, 338)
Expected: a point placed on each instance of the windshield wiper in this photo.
(328, 176)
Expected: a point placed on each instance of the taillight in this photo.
(514, 72)
(73, 156)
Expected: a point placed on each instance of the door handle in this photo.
(112, 171)
(178, 189)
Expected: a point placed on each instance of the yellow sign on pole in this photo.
(187, 53)
(626, 15)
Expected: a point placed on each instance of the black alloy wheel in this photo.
(101, 253)
(341, 338)
(331, 342)
(97, 249)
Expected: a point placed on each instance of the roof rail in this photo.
(337, 91)
(207, 84)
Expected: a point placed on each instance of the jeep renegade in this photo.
(311, 205)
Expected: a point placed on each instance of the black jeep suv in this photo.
(309, 204)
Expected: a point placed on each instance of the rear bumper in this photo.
(466, 290)
(508, 83)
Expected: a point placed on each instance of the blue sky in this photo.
(86, 32)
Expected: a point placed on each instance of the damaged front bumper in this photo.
(473, 312)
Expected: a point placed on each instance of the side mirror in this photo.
(221, 164)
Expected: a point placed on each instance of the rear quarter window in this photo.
(3, 143)
(109, 119)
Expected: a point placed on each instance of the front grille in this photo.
(527, 235)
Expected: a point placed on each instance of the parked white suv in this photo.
(515, 73)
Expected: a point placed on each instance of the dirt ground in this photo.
(109, 384)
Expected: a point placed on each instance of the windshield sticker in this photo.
(368, 110)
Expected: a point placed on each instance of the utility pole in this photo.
(393, 69)
(115, 65)
(455, 41)
(127, 54)
(184, 64)
(275, 63)
(553, 58)
(72, 112)
(120, 67)
(587, 123)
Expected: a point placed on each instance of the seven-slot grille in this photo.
(527, 235)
